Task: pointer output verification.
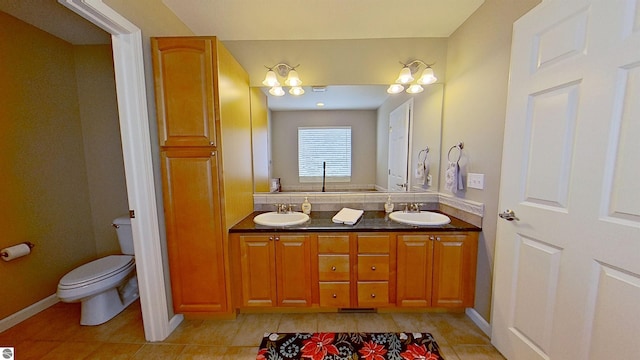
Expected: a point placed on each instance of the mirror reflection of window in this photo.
(324, 154)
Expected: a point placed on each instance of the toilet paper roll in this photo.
(15, 251)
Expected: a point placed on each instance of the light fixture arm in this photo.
(414, 65)
(282, 68)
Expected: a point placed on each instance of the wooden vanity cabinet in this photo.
(206, 188)
(437, 270)
(354, 270)
(454, 270)
(276, 270)
(375, 269)
(334, 270)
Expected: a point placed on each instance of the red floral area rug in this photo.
(348, 346)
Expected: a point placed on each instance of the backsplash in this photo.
(469, 211)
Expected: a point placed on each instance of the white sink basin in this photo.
(275, 219)
(419, 218)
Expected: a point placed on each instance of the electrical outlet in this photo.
(475, 181)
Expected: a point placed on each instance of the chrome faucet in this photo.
(412, 207)
(283, 208)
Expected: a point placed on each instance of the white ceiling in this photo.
(322, 19)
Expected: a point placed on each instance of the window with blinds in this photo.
(318, 146)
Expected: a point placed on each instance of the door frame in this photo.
(409, 104)
(128, 61)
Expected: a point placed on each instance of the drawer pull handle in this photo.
(373, 296)
(373, 268)
(333, 268)
(334, 296)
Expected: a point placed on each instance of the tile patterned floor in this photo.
(56, 334)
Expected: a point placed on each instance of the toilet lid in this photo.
(97, 269)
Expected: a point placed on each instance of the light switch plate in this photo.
(475, 181)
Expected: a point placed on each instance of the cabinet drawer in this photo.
(373, 294)
(334, 294)
(333, 267)
(333, 244)
(373, 267)
(373, 244)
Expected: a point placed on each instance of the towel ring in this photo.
(424, 151)
(459, 146)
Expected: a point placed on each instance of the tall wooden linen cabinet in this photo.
(204, 127)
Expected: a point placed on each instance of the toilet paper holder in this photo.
(28, 243)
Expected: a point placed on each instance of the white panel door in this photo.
(399, 138)
(567, 268)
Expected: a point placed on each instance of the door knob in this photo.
(508, 215)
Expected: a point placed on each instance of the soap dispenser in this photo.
(388, 206)
(306, 206)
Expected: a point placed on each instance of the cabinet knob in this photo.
(277, 238)
(270, 238)
(438, 238)
(431, 238)
(334, 296)
(333, 268)
(373, 268)
(373, 296)
(211, 143)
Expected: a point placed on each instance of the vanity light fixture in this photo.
(406, 76)
(292, 79)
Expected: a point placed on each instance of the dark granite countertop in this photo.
(320, 221)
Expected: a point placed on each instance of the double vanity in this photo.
(221, 261)
(377, 263)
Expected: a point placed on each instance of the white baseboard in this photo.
(175, 321)
(27, 312)
(479, 321)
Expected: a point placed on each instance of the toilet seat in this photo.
(96, 271)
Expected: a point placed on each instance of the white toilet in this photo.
(105, 286)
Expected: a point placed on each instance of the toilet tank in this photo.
(125, 235)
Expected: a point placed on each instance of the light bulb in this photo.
(395, 89)
(296, 91)
(270, 79)
(427, 77)
(405, 76)
(276, 91)
(293, 79)
(415, 89)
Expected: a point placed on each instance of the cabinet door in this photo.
(194, 230)
(257, 261)
(415, 264)
(293, 269)
(183, 70)
(454, 270)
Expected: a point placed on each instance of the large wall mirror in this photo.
(365, 110)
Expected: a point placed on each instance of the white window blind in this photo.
(319, 145)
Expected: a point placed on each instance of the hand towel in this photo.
(453, 178)
(420, 174)
(450, 177)
(347, 216)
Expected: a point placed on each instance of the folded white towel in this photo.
(347, 216)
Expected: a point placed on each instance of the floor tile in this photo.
(56, 333)
(115, 351)
(477, 352)
(298, 323)
(253, 327)
(157, 351)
